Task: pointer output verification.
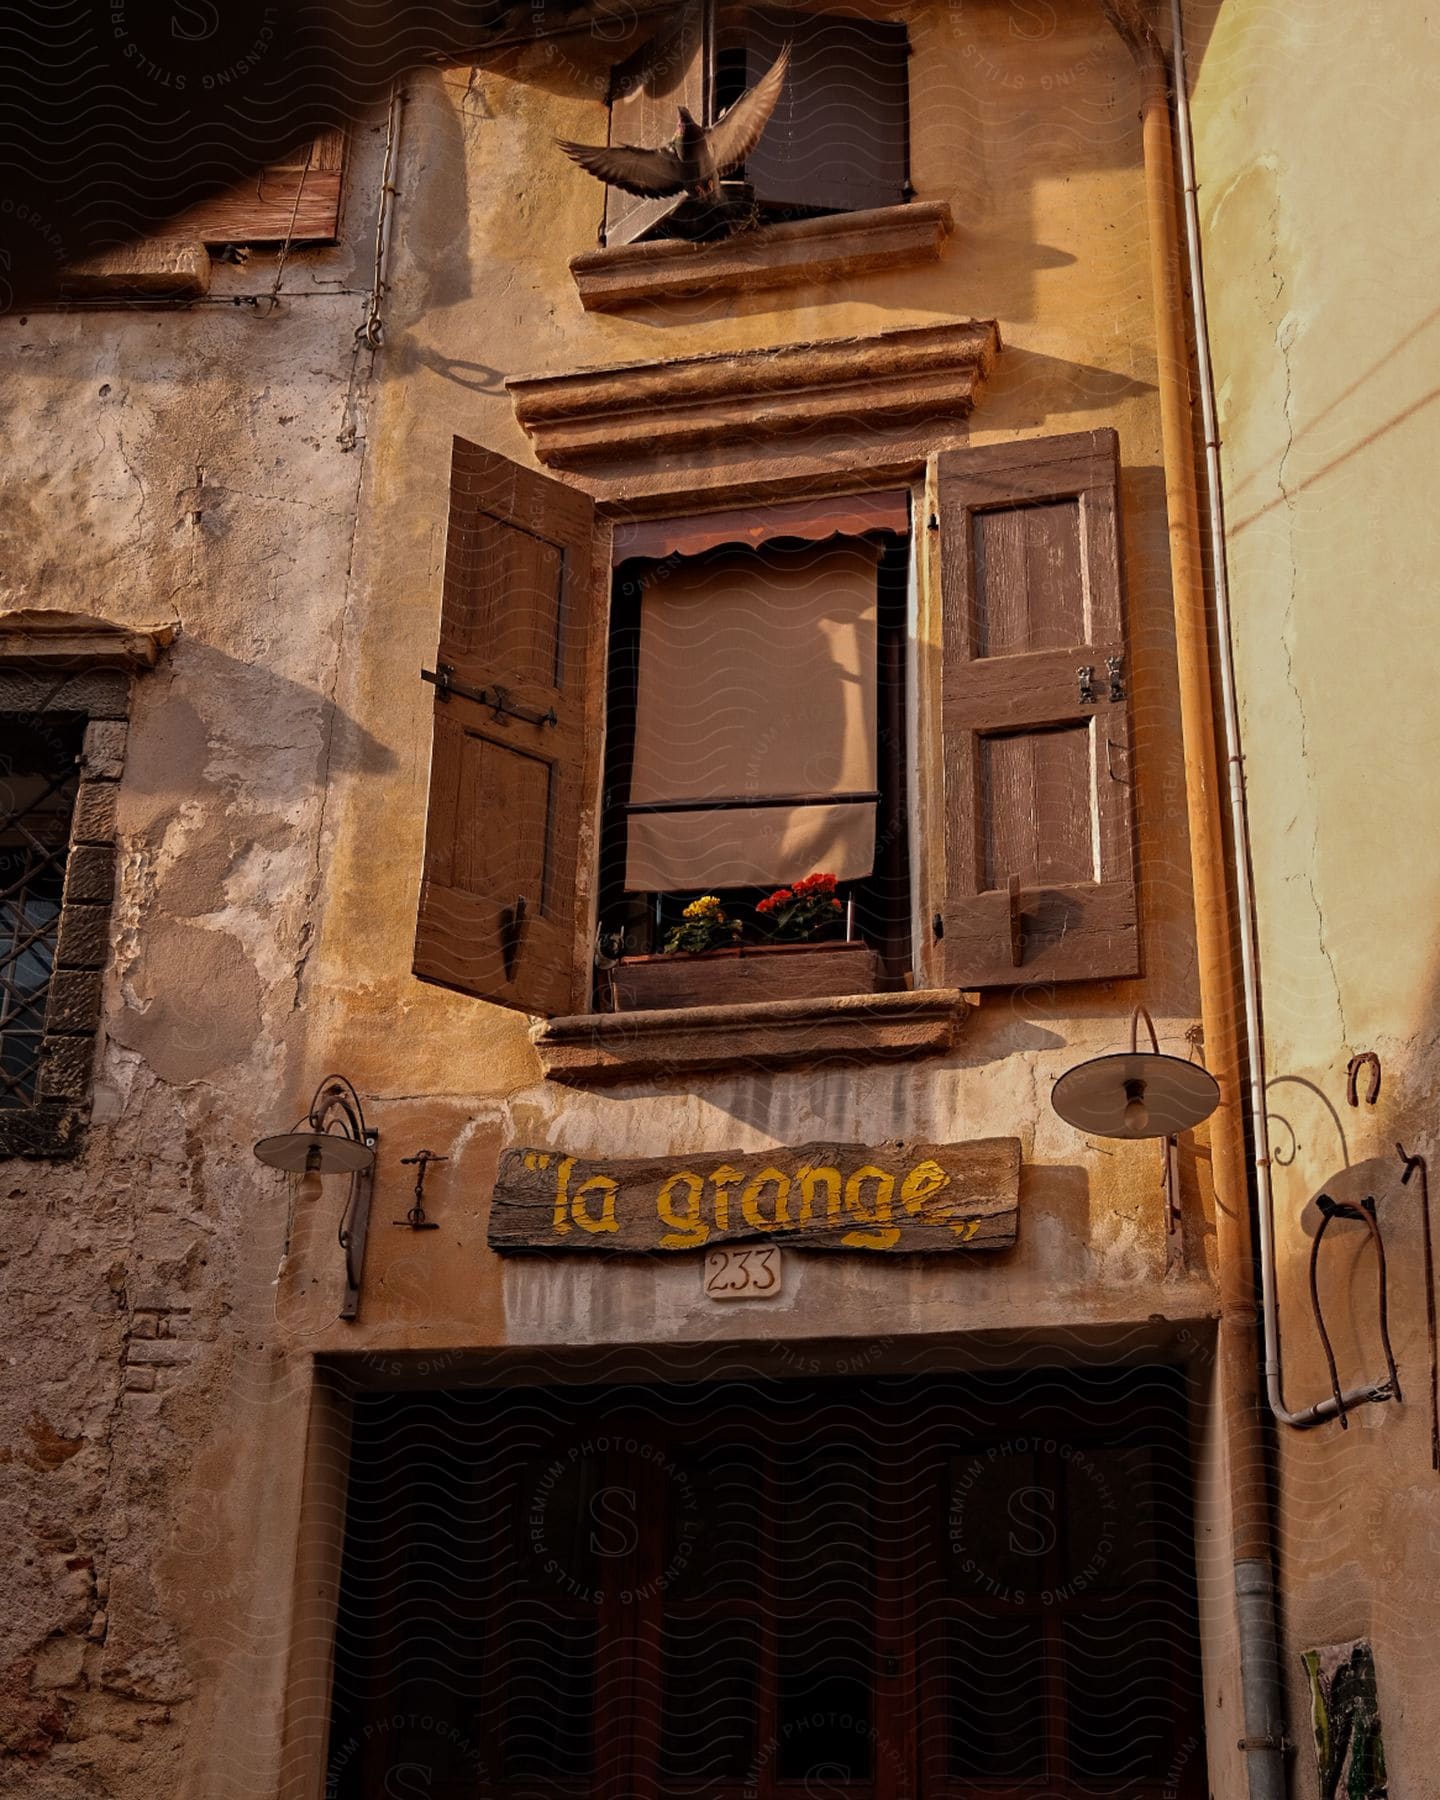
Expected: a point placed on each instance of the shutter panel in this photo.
(1039, 805)
(297, 197)
(646, 91)
(497, 903)
(838, 137)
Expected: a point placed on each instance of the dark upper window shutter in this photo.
(646, 91)
(1038, 787)
(838, 137)
(497, 903)
(297, 197)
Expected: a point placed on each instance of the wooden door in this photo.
(894, 1590)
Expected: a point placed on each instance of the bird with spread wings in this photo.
(698, 155)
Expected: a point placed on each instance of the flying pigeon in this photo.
(698, 155)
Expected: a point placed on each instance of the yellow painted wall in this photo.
(1316, 148)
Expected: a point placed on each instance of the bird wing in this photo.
(649, 173)
(739, 129)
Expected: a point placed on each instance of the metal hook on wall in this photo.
(1412, 1165)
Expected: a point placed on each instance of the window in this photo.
(755, 737)
(56, 873)
(837, 141)
(295, 198)
(975, 796)
(64, 702)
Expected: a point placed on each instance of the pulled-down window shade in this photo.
(755, 724)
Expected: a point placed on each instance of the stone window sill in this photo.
(805, 250)
(596, 1049)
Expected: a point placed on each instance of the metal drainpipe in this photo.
(1235, 774)
(1239, 1385)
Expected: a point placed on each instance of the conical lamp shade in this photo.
(1135, 1094)
(331, 1153)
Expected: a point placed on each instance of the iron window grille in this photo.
(39, 780)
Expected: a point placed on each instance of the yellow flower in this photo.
(706, 907)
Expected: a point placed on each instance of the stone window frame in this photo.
(64, 663)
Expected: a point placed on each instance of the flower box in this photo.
(743, 972)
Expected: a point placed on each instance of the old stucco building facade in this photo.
(255, 499)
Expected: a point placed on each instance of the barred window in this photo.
(39, 779)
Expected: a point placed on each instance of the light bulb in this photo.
(1136, 1116)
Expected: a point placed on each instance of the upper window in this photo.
(759, 696)
(755, 740)
(295, 199)
(836, 142)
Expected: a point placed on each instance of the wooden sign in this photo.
(897, 1197)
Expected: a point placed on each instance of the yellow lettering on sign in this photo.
(811, 1179)
(922, 1184)
(607, 1189)
(561, 1217)
(750, 1200)
(688, 1229)
(886, 1236)
(722, 1180)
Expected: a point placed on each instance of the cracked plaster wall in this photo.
(1316, 142)
(199, 467)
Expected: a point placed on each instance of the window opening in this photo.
(837, 142)
(723, 776)
(39, 778)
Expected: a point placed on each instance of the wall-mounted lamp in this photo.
(1136, 1094)
(332, 1139)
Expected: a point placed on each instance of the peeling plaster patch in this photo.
(209, 1015)
(165, 761)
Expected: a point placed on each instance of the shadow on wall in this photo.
(228, 803)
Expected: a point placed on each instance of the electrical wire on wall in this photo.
(370, 332)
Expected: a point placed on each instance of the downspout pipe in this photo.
(1235, 782)
(1238, 1372)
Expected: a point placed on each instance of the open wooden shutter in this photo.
(646, 91)
(296, 198)
(1039, 801)
(497, 904)
(839, 136)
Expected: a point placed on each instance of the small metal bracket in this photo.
(1086, 677)
(1115, 668)
(355, 1228)
(415, 1218)
(512, 930)
(1016, 921)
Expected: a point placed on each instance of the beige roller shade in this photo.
(756, 681)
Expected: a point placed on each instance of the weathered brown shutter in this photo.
(497, 903)
(1039, 802)
(646, 91)
(296, 198)
(839, 136)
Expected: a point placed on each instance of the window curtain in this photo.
(756, 683)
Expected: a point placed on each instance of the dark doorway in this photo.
(891, 1589)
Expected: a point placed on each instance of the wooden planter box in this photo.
(748, 972)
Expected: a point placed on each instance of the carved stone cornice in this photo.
(800, 251)
(635, 412)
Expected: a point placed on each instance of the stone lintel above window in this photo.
(596, 1049)
(639, 412)
(835, 247)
